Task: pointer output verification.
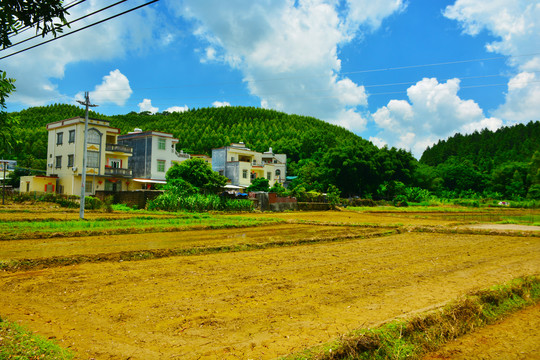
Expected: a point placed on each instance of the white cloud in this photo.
(114, 89)
(522, 99)
(220, 104)
(515, 25)
(38, 69)
(146, 105)
(295, 43)
(434, 111)
(178, 109)
(380, 143)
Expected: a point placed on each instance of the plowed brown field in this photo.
(257, 304)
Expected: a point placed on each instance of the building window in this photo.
(58, 162)
(269, 175)
(278, 173)
(70, 160)
(71, 136)
(232, 158)
(94, 137)
(88, 186)
(161, 144)
(161, 165)
(59, 138)
(115, 163)
(92, 159)
(245, 174)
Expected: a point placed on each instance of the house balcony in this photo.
(119, 148)
(118, 172)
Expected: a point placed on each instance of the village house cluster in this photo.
(136, 161)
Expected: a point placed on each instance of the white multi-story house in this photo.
(106, 164)
(241, 165)
(154, 152)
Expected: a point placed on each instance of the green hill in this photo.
(505, 162)
(320, 153)
(487, 149)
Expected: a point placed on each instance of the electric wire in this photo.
(76, 31)
(31, 26)
(69, 23)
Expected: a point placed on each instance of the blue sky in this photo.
(396, 72)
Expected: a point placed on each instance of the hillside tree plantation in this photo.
(501, 164)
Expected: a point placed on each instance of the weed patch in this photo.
(18, 343)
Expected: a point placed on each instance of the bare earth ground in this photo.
(253, 304)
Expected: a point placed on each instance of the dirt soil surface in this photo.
(515, 337)
(188, 239)
(256, 304)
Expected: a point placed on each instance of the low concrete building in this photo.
(241, 165)
(154, 152)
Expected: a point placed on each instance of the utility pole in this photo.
(4, 163)
(83, 180)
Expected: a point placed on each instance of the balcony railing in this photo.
(119, 148)
(117, 172)
(180, 155)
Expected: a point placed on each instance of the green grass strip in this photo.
(19, 343)
(410, 339)
(45, 229)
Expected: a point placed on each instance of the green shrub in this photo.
(198, 203)
(92, 203)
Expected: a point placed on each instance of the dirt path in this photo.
(511, 227)
(516, 337)
(256, 304)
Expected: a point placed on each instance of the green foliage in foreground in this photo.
(170, 201)
(425, 333)
(18, 343)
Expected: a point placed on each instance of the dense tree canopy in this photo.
(198, 174)
(322, 155)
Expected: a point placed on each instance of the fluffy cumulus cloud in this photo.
(434, 110)
(146, 105)
(293, 43)
(220, 104)
(179, 109)
(515, 25)
(114, 89)
(38, 69)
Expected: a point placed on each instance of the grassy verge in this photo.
(18, 343)
(414, 337)
(12, 230)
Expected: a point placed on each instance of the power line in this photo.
(69, 23)
(17, 32)
(83, 28)
(324, 90)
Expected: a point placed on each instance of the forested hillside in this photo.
(499, 164)
(320, 153)
(487, 149)
(505, 162)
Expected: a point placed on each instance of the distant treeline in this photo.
(323, 155)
